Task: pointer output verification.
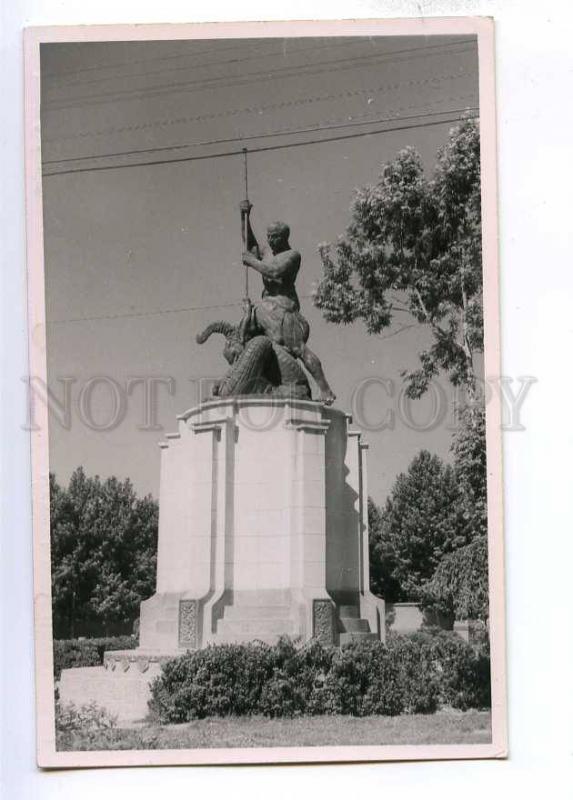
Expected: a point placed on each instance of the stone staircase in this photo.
(352, 628)
(247, 618)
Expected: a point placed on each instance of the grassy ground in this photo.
(443, 727)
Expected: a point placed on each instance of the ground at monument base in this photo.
(447, 726)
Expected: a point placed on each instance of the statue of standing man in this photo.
(278, 315)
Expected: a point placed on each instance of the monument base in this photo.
(263, 528)
(263, 532)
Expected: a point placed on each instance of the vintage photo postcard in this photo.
(264, 392)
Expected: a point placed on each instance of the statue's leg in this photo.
(287, 375)
(313, 365)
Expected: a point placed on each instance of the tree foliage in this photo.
(429, 544)
(414, 245)
(103, 552)
(460, 584)
(459, 587)
(421, 522)
(469, 451)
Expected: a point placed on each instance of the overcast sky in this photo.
(130, 248)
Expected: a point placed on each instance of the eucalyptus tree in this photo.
(413, 246)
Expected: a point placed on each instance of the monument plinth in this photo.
(262, 528)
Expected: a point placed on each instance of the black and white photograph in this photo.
(264, 393)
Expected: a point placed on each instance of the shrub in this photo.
(373, 678)
(464, 672)
(110, 739)
(87, 652)
(219, 680)
(412, 674)
(364, 680)
(283, 680)
(87, 722)
(90, 727)
(297, 685)
(419, 678)
(283, 696)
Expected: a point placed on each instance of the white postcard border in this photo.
(47, 755)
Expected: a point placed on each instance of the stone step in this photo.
(264, 597)
(349, 611)
(256, 612)
(255, 627)
(353, 625)
(347, 638)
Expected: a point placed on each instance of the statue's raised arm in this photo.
(251, 242)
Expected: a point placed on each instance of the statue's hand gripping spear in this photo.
(248, 241)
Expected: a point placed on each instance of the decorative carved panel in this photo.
(323, 621)
(189, 624)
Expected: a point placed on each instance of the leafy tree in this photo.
(459, 586)
(469, 451)
(430, 541)
(414, 245)
(421, 522)
(103, 551)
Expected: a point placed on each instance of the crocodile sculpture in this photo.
(258, 365)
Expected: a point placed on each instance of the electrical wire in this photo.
(257, 54)
(203, 84)
(294, 103)
(115, 64)
(265, 135)
(159, 312)
(269, 148)
(155, 313)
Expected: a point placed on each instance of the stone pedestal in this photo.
(263, 528)
(263, 531)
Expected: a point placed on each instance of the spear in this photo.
(245, 221)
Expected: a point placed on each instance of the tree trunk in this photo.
(465, 344)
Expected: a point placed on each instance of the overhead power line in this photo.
(160, 311)
(114, 64)
(269, 148)
(265, 135)
(258, 109)
(157, 312)
(255, 54)
(202, 84)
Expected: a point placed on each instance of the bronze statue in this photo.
(265, 348)
(278, 313)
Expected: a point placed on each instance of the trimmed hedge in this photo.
(409, 674)
(87, 652)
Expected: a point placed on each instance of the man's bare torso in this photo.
(283, 285)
